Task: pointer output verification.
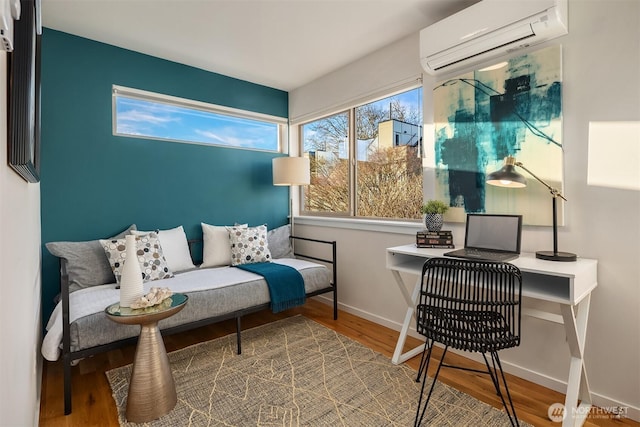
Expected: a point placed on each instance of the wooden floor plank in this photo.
(93, 404)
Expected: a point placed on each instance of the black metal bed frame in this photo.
(69, 356)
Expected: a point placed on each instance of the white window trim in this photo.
(144, 95)
(358, 223)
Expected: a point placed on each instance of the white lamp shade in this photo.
(291, 171)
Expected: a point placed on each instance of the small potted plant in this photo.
(433, 211)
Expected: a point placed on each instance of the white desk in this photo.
(567, 283)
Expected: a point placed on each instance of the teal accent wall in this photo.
(94, 184)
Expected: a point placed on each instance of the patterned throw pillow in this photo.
(152, 262)
(249, 245)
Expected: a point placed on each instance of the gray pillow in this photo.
(86, 262)
(279, 242)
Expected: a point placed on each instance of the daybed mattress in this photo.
(212, 292)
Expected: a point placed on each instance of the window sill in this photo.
(383, 226)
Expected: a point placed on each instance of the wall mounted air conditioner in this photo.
(9, 10)
(489, 29)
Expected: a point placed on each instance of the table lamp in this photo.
(291, 171)
(507, 176)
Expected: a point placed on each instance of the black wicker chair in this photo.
(472, 306)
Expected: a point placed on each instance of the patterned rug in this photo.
(295, 372)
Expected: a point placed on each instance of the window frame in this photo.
(282, 123)
(350, 111)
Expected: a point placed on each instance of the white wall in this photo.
(20, 360)
(601, 69)
(374, 75)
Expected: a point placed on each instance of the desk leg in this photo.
(578, 400)
(398, 356)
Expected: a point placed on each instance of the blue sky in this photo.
(163, 121)
(411, 98)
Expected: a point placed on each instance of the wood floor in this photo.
(94, 406)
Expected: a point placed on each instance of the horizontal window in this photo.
(141, 114)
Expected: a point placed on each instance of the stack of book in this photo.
(434, 239)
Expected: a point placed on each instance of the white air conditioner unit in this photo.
(489, 29)
(9, 10)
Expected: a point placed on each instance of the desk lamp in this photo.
(291, 171)
(509, 177)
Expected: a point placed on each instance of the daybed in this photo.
(79, 328)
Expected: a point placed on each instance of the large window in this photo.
(366, 161)
(142, 114)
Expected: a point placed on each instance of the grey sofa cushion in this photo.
(96, 329)
(86, 262)
(279, 242)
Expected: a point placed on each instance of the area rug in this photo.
(296, 372)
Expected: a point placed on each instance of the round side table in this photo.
(152, 392)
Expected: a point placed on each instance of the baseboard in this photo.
(605, 403)
(599, 400)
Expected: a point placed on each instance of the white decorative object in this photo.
(131, 279)
(154, 297)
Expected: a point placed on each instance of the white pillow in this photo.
(174, 247)
(216, 247)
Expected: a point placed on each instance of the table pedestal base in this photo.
(152, 392)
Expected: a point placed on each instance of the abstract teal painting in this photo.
(511, 109)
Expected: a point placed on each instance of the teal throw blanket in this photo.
(286, 285)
